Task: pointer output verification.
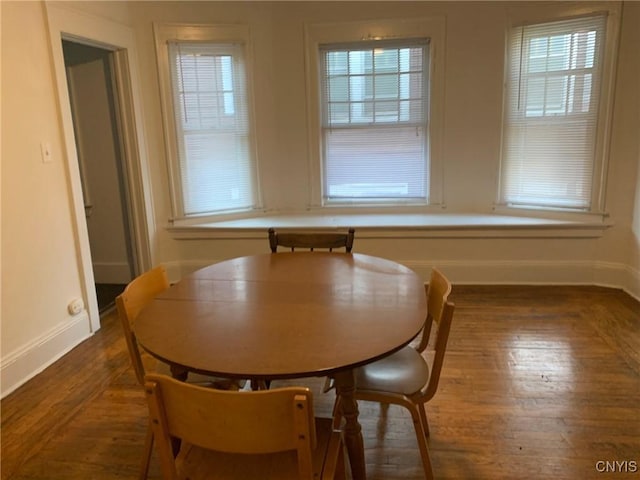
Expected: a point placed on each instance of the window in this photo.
(554, 110)
(212, 159)
(375, 129)
(374, 121)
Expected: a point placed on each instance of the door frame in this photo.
(81, 27)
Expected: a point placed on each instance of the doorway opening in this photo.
(95, 112)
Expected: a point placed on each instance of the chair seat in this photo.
(405, 378)
(203, 380)
(404, 372)
(194, 463)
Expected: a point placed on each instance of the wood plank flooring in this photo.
(538, 383)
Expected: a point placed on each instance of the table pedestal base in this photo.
(345, 388)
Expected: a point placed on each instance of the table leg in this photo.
(345, 387)
(259, 384)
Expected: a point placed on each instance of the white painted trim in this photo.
(316, 34)
(604, 274)
(491, 272)
(65, 22)
(138, 177)
(630, 278)
(24, 363)
(398, 225)
(633, 283)
(520, 13)
(210, 33)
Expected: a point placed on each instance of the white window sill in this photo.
(404, 225)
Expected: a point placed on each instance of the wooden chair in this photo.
(135, 296)
(405, 378)
(267, 434)
(311, 240)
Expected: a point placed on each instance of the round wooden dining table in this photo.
(287, 315)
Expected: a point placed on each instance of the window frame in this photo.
(362, 112)
(524, 17)
(367, 32)
(215, 33)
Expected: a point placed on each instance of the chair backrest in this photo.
(244, 422)
(138, 293)
(311, 240)
(439, 315)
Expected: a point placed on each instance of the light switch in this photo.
(45, 148)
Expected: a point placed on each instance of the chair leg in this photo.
(342, 467)
(260, 384)
(146, 455)
(423, 419)
(422, 443)
(337, 415)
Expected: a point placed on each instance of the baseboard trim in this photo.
(22, 364)
(633, 282)
(605, 274)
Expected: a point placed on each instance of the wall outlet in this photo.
(75, 306)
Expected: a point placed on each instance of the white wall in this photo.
(41, 270)
(39, 255)
(623, 245)
(473, 102)
(631, 106)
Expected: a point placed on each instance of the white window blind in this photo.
(551, 118)
(216, 167)
(374, 122)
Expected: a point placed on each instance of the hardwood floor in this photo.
(538, 383)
